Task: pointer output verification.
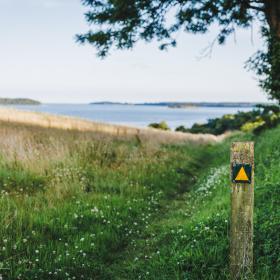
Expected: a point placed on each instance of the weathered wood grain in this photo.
(242, 202)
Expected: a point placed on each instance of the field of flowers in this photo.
(79, 205)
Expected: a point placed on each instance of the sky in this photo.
(40, 59)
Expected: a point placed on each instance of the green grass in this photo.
(80, 206)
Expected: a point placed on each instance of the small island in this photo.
(18, 101)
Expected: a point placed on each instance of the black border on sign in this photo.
(236, 168)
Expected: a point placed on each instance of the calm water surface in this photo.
(139, 116)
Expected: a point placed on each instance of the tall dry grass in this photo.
(37, 147)
(70, 123)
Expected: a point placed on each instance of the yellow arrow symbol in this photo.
(242, 176)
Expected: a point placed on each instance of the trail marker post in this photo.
(242, 204)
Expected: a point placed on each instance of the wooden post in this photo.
(242, 203)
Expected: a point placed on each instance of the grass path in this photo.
(84, 206)
(72, 203)
(190, 238)
(153, 254)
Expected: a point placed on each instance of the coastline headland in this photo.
(18, 101)
(183, 105)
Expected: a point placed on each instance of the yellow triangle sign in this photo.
(241, 175)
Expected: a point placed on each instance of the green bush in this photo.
(260, 118)
(162, 125)
(181, 128)
(251, 126)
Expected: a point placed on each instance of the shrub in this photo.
(251, 126)
(181, 128)
(260, 118)
(162, 125)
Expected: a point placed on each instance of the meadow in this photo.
(88, 205)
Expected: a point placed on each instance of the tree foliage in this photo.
(266, 64)
(121, 23)
(256, 121)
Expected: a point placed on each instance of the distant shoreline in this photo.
(182, 105)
